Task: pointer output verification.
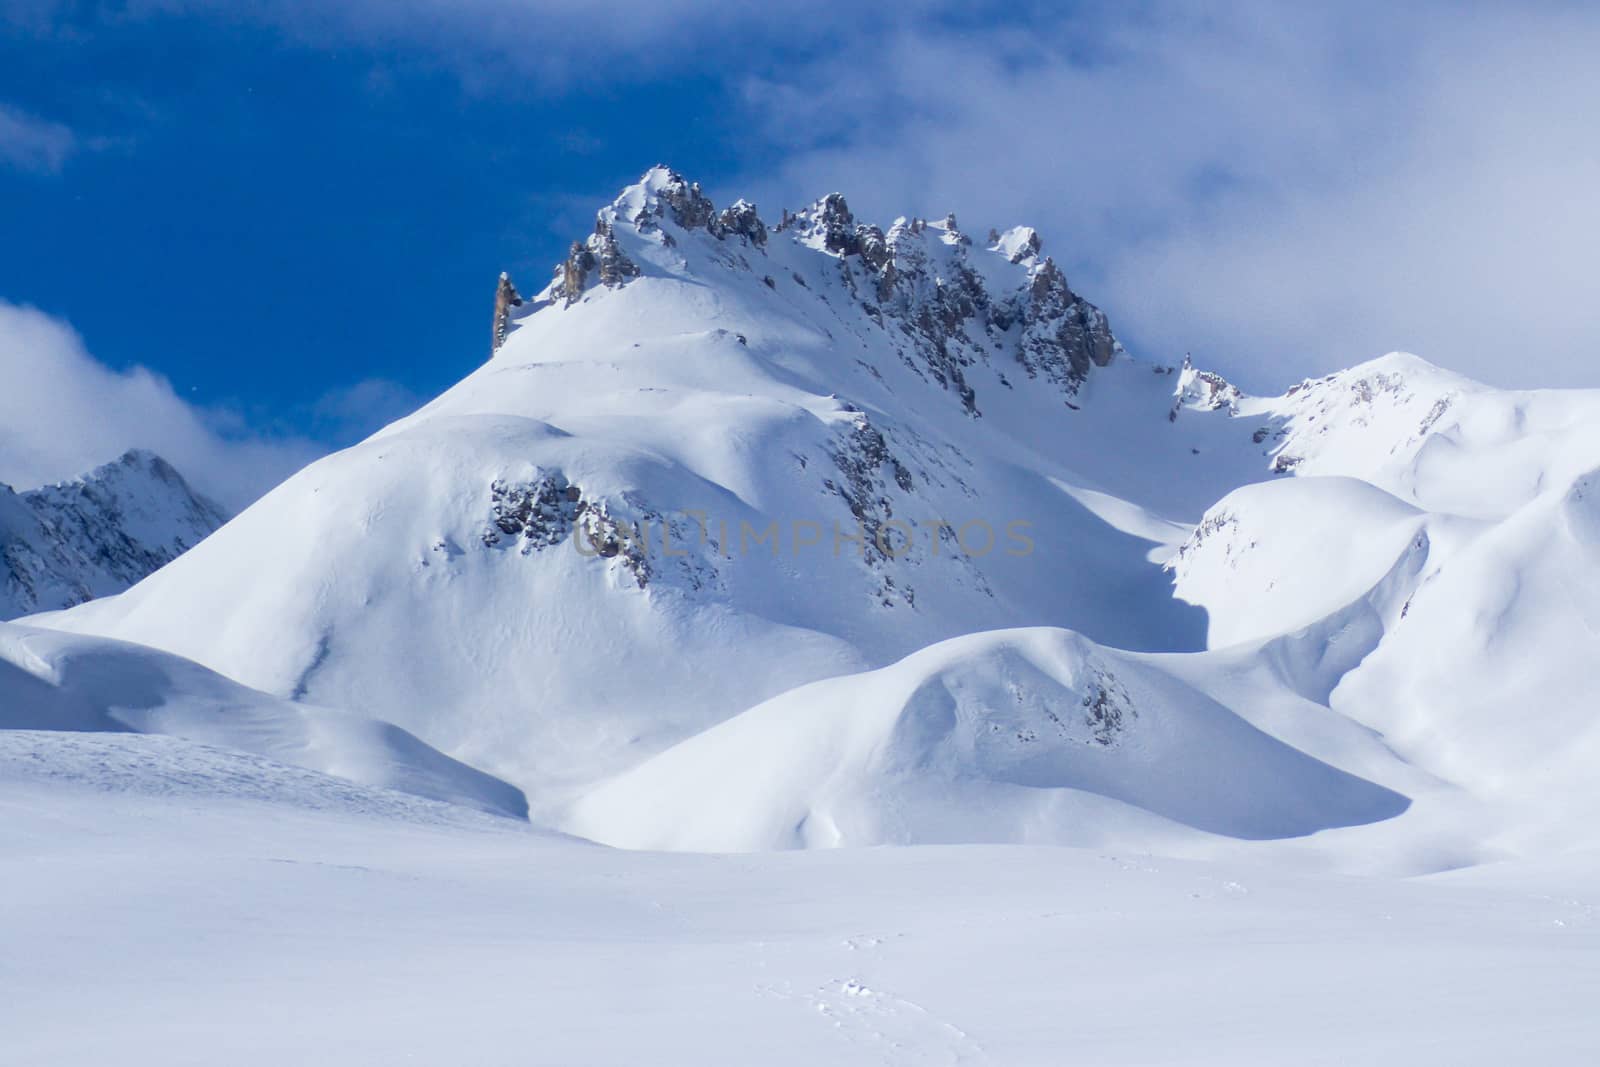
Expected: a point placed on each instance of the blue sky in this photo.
(292, 212)
(264, 221)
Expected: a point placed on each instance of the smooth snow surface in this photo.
(1016, 736)
(55, 681)
(172, 905)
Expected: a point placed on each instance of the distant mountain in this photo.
(721, 457)
(66, 543)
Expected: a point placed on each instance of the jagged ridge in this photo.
(918, 279)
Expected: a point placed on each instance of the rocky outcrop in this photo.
(867, 468)
(505, 298)
(599, 257)
(830, 226)
(1063, 335)
(945, 307)
(546, 511)
(1107, 708)
(941, 310)
(690, 208)
(741, 220)
(916, 281)
(1200, 390)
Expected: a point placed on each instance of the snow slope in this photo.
(63, 682)
(1029, 736)
(1437, 440)
(1490, 676)
(1467, 644)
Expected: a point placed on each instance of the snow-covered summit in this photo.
(960, 305)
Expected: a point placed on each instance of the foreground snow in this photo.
(173, 905)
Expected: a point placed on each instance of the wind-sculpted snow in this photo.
(1490, 676)
(1276, 557)
(1469, 644)
(60, 682)
(1017, 736)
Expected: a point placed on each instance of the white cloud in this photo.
(63, 413)
(349, 413)
(32, 144)
(1279, 190)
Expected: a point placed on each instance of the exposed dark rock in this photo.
(1107, 708)
(941, 316)
(547, 510)
(1434, 414)
(572, 274)
(689, 206)
(830, 220)
(874, 249)
(867, 467)
(540, 511)
(600, 254)
(1063, 334)
(505, 298)
(615, 267)
(741, 220)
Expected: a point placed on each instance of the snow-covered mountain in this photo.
(64, 544)
(720, 460)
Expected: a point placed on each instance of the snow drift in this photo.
(61, 682)
(1018, 736)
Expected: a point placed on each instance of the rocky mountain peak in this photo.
(953, 302)
(98, 534)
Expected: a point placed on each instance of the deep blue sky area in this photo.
(262, 221)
